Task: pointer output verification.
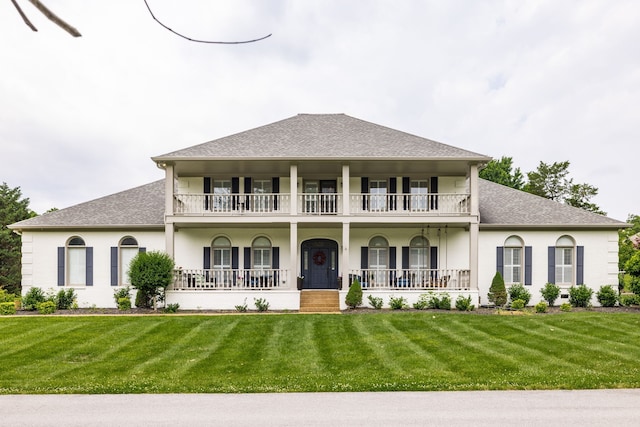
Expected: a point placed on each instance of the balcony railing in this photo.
(322, 204)
(230, 279)
(406, 279)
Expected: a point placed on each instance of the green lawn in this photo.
(292, 353)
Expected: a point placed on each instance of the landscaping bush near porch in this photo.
(292, 353)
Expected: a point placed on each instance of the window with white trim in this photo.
(76, 262)
(221, 253)
(513, 260)
(565, 249)
(261, 253)
(128, 249)
(419, 253)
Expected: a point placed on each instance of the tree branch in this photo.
(55, 19)
(24, 17)
(200, 41)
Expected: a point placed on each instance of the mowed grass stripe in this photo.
(34, 338)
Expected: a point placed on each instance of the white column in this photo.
(293, 251)
(169, 189)
(473, 189)
(346, 198)
(346, 243)
(473, 255)
(293, 188)
(169, 230)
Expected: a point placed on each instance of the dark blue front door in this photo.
(320, 264)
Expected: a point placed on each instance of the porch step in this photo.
(319, 301)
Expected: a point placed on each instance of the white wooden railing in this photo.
(434, 204)
(231, 203)
(319, 203)
(212, 279)
(453, 279)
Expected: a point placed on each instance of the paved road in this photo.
(487, 408)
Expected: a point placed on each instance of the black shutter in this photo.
(247, 258)
(89, 267)
(206, 257)
(275, 257)
(247, 190)
(393, 189)
(364, 189)
(235, 189)
(207, 190)
(364, 257)
(234, 258)
(114, 266)
(275, 187)
(434, 190)
(61, 275)
(392, 257)
(528, 261)
(580, 265)
(551, 272)
(500, 260)
(405, 257)
(433, 261)
(406, 190)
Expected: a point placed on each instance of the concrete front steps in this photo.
(319, 301)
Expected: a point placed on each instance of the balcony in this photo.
(435, 204)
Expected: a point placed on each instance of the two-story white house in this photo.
(311, 203)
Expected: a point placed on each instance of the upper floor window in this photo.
(222, 194)
(564, 260)
(76, 262)
(419, 253)
(128, 249)
(378, 194)
(513, 257)
(261, 253)
(419, 194)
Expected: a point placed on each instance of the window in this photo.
(378, 191)
(564, 260)
(221, 253)
(128, 248)
(76, 262)
(378, 253)
(222, 195)
(419, 253)
(513, 260)
(261, 253)
(262, 188)
(419, 195)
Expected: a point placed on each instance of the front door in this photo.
(320, 264)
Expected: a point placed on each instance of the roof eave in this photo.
(554, 226)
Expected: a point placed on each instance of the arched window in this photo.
(221, 248)
(378, 253)
(76, 262)
(419, 253)
(261, 253)
(128, 249)
(564, 267)
(513, 251)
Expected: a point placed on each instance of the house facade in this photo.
(314, 202)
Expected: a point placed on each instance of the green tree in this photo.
(502, 172)
(626, 246)
(151, 273)
(13, 208)
(354, 296)
(498, 291)
(553, 182)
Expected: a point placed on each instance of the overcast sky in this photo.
(534, 80)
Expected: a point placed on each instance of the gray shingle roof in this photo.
(324, 136)
(505, 206)
(138, 207)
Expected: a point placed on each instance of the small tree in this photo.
(150, 274)
(497, 292)
(550, 293)
(354, 296)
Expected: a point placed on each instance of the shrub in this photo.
(519, 292)
(47, 307)
(424, 301)
(354, 296)
(629, 300)
(124, 303)
(517, 304)
(261, 304)
(607, 296)
(376, 302)
(550, 293)
(497, 292)
(33, 297)
(464, 304)
(242, 308)
(143, 300)
(65, 299)
(7, 308)
(151, 273)
(565, 306)
(6, 296)
(122, 293)
(397, 303)
(541, 307)
(173, 308)
(442, 301)
(580, 296)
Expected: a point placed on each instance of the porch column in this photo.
(346, 202)
(346, 236)
(473, 255)
(169, 189)
(473, 189)
(293, 253)
(169, 230)
(293, 188)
